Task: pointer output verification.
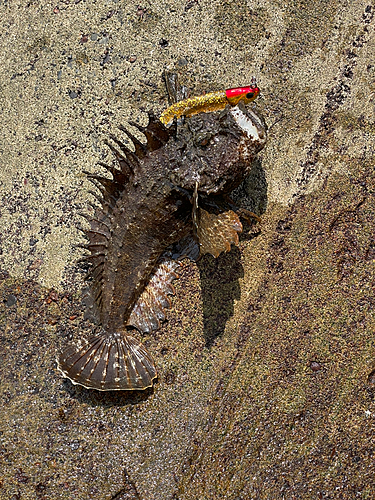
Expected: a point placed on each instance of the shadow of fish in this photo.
(166, 200)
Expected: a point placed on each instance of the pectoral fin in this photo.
(148, 311)
(215, 232)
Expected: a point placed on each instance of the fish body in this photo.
(158, 218)
(166, 200)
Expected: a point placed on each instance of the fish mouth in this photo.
(249, 123)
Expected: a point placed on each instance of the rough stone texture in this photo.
(267, 363)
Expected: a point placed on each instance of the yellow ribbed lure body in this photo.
(212, 101)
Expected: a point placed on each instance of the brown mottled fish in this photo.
(166, 200)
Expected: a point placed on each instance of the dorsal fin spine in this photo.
(158, 128)
(104, 181)
(87, 246)
(110, 168)
(95, 231)
(95, 268)
(118, 175)
(97, 197)
(100, 199)
(104, 191)
(130, 157)
(94, 255)
(98, 244)
(140, 148)
(153, 142)
(91, 219)
(137, 126)
(91, 256)
(100, 221)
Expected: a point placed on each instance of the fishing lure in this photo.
(213, 101)
(166, 200)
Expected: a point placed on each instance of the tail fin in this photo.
(109, 362)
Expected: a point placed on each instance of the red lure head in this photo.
(247, 94)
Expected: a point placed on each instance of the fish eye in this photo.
(249, 95)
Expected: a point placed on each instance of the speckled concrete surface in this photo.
(266, 365)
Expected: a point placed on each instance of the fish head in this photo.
(216, 150)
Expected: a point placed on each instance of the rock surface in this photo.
(267, 362)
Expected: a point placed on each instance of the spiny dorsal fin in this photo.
(128, 161)
(110, 190)
(118, 175)
(98, 235)
(158, 128)
(155, 132)
(109, 197)
(140, 148)
(112, 187)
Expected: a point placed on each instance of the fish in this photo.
(168, 198)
